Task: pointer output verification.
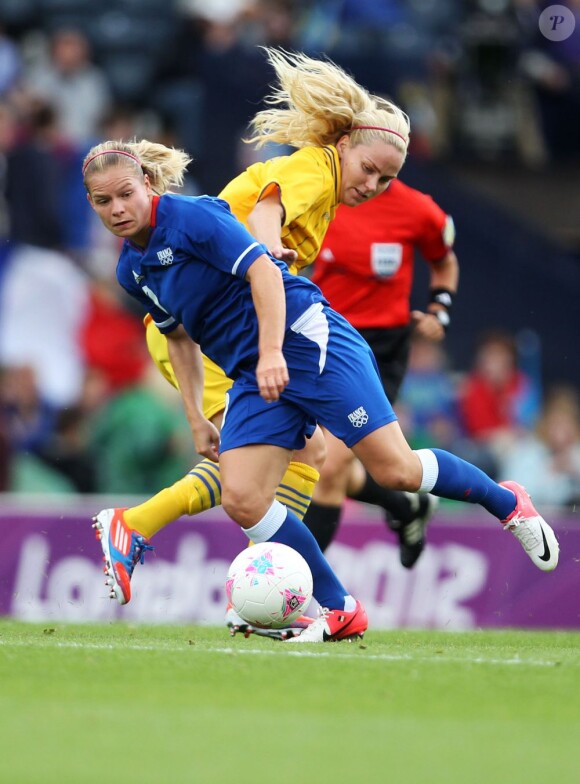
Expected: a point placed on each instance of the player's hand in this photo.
(206, 438)
(272, 375)
(284, 254)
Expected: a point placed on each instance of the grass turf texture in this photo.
(190, 704)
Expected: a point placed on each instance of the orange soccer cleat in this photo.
(122, 548)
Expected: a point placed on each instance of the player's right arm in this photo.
(269, 299)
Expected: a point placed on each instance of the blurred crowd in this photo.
(81, 410)
(497, 414)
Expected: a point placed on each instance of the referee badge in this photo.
(386, 258)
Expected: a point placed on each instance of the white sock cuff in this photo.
(265, 529)
(430, 469)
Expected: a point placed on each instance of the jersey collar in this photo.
(154, 205)
(153, 223)
(333, 162)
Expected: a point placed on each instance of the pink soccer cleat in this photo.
(535, 535)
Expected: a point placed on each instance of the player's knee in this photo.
(244, 505)
(399, 476)
(236, 505)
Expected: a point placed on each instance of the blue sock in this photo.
(462, 481)
(328, 590)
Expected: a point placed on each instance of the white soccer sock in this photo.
(265, 529)
(430, 469)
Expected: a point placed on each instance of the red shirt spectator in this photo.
(112, 340)
(497, 398)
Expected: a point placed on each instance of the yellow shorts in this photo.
(216, 383)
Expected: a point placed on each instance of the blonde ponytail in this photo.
(165, 166)
(316, 102)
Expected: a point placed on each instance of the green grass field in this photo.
(127, 704)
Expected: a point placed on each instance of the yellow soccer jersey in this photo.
(309, 184)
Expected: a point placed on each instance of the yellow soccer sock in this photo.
(199, 490)
(296, 488)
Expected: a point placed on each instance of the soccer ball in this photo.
(269, 585)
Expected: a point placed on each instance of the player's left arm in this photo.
(269, 298)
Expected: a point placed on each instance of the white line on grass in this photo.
(286, 650)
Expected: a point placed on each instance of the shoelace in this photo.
(413, 532)
(141, 547)
(524, 533)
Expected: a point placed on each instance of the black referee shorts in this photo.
(391, 349)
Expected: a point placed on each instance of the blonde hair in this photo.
(316, 102)
(165, 166)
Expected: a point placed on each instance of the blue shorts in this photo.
(334, 381)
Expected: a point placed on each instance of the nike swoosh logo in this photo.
(546, 554)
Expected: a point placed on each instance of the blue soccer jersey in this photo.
(192, 272)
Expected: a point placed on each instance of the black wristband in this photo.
(442, 296)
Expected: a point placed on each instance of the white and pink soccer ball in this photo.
(269, 585)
